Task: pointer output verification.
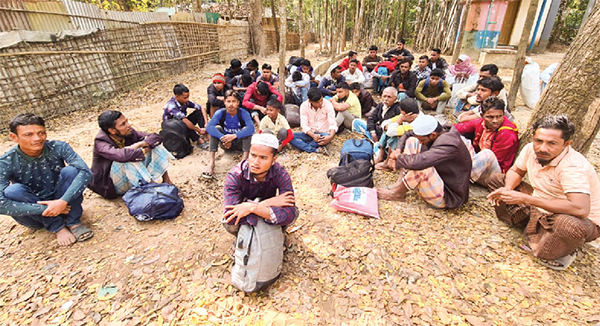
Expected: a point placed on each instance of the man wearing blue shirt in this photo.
(42, 181)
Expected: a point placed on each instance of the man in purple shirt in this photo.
(177, 107)
(252, 187)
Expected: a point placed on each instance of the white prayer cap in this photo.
(463, 57)
(268, 140)
(424, 125)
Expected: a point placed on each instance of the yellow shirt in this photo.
(267, 124)
(355, 108)
(568, 172)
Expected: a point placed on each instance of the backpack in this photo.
(239, 116)
(258, 256)
(355, 149)
(440, 86)
(153, 201)
(292, 114)
(174, 134)
(358, 173)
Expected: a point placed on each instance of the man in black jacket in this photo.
(400, 52)
(387, 109)
(404, 80)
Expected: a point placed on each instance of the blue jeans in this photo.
(22, 193)
(305, 142)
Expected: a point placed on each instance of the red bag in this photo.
(359, 200)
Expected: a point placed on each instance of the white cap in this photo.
(424, 125)
(268, 140)
(463, 57)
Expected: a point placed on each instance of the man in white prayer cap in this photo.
(259, 188)
(434, 162)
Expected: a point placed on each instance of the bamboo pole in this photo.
(65, 15)
(463, 25)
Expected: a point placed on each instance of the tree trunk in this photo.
(327, 22)
(301, 28)
(403, 18)
(274, 17)
(573, 89)
(343, 45)
(520, 61)
(355, 35)
(463, 25)
(256, 31)
(282, 45)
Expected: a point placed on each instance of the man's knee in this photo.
(68, 172)
(571, 227)
(496, 181)
(232, 229)
(282, 134)
(16, 191)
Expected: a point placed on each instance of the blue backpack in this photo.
(153, 201)
(356, 149)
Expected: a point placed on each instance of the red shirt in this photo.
(345, 64)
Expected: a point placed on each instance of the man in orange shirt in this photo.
(560, 210)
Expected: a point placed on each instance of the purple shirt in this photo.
(240, 186)
(175, 110)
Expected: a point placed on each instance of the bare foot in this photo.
(383, 166)
(166, 178)
(65, 237)
(390, 194)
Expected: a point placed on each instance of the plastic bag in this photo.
(530, 83)
(359, 200)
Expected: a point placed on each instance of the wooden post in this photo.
(274, 18)
(461, 31)
(282, 47)
(301, 28)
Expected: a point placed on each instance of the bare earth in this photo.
(415, 265)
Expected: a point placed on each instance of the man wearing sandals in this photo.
(42, 182)
(560, 209)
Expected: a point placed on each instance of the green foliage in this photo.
(568, 21)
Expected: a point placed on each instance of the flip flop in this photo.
(203, 146)
(559, 264)
(206, 175)
(82, 233)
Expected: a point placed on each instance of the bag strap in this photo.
(247, 255)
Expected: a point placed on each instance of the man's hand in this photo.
(285, 199)
(201, 131)
(408, 117)
(432, 101)
(238, 212)
(385, 77)
(228, 138)
(261, 108)
(374, 135)
(55, 207)
(324, 140)
(391, 162)
(507, 196)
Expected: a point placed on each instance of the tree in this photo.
(282, 45)
(256, 32)
(573, 89)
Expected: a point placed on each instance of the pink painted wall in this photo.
(478, 15)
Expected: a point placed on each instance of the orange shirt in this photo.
(568, 172)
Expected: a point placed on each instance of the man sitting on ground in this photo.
(372, 59)
(486, 87)
(42, 182)
(268, 75)
(317, 120)
(496, 140)
(123, 157)
(345, 64)
(422, 70)
(352, 74)
(251, 68)
(436, 61)
(240, 83)
(259, 187)
(387, 109)
(329, 83)
(400, 52)
(346, 106)
(275, 123)
(235, 68)
(256, 98)
(176, 108)
(560, 210)
(404, 80)
(381, 75)
(299, 83)
(366, 100)
(231, 127)
(216, 94)
(433, 93)
(435, 163)
(467, 94)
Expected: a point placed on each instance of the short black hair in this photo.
(492, 68)
(354, 86)
(180, 89)
(373, 48)
(246, 79)
(252, 63)
(263, 88)
(296, 76)
(275, 103)
(492, 103)
(437, 50)
(409, 105)
(557, 122)
(336, 69)
(25, 119)
(401, 41)
(305, 62)
(353, 61)
(343, 85)
(267, 66)
(235, 94)
(494, 83)
(424, 57)
(437, 72)
(405, 60)
(235, 63)
(314, 95)
(108, 119)
(351, 53)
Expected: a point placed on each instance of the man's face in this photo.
(219, 86)
(354, 56)
(483, 74)
(404, 68)
(434, 56)
(235, 69)
(388, 98)
(423, 63)
(266, 74)
(30, 138)
(183, 98)
(342, 93)
(231, 104)
(493, 119)
(356, 92)
(400, 46)
(372, 53)
(272, 112)
(427, 140)
(336, 73)
(122, 127)
(548, 144)
(260, 159)
(352, 67)
(305, 69)
(482, 93)
(434, 80)
(318, 104)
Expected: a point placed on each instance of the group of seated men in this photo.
(42, 181)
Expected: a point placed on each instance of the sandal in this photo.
(206, 175)
(203, 146)
(559, 264)
(82, 233)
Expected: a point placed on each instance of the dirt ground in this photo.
(414, 266)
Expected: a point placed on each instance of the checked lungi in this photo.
(127, 175)
(485, 162)
(427, 182)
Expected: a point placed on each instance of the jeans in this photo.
(22, 193)
(196, 118)
(305, 142)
